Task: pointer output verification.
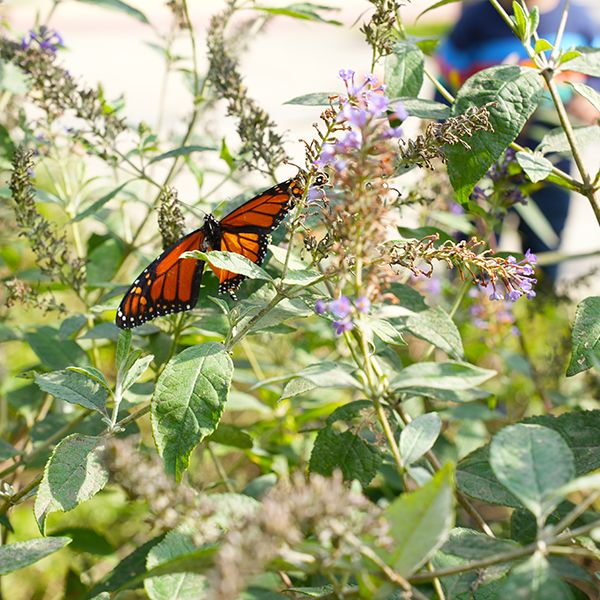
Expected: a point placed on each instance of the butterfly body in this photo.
(171, 284)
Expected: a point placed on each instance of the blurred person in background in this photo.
(481, 39)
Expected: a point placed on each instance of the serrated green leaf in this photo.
(230, 261)
(448, 375)
(340, 445)
(74, 387)
(532, 461)
(22, 554)
(420, 522)
(557, 141)
(514, 93)
(587, 92)
(585, 336)
(181, 151)
(535, 579)
(423, 108)
(436, 327)
(136, 371)
(535, 166)
(587, 63)
(418, 437)
(188, 402)
(120, 6)
(404, 69)
(321, 375)
(74, 473)
(176, 586)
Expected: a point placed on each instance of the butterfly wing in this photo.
(167, 285)
(246, 229)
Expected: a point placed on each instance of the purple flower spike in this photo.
(320, 307)
(341, 307)
(400, 112)
(354, 115)
(378, 104)
(342, 326)
(346, 74)
(363, 304)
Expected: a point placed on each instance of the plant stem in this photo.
(220, 469)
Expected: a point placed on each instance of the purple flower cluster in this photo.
(518, 279)
(367, 113)
(342, 309)
(493, 317)
(45, 38)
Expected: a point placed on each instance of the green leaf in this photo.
(404, 70)
(543, 45)
(230, 261)
(515, 93)
(128, 571)
(420, 522)
(305, 277)
(176, 586)
(587, 63)
(75, 388)
(181, 151)
(425, 109)
(136, 371)
(589, 93)
(188, 402)
(343, 444)
(85, 539)
(521, 21)
(229, 435)
(532, 462)
(585, 336)
(93, 374)
(534, 579)
(98, 204)
(74, 473)
(7, 451)
(104, 259)
(120, 6)
(418, 437)
(535, 166)
(306, 11)
(325, 374)
(568, 56)
(123, 347)
(13, 79)
(557, 141)
(436, 5)
(226, 155)
(53, 352)
(314, 99)
(22, 554)
(448, 375)
(474, 545)
(475, 477)
(436, 327)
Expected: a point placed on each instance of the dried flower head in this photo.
(262, 146)
(19, 292)
(322, 509)
(429, 146)
(170, 218)
(51, 248)
(179, 12)
(380, 31)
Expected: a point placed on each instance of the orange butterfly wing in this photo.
(168, 285)
(246, 229)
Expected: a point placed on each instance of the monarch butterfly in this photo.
(170, 284)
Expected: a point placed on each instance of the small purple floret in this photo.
(341, 307)
(363, 304)
(339, 327)
(321, 307)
